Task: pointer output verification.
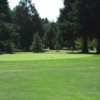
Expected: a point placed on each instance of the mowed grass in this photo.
(38, 56)
(28, 76)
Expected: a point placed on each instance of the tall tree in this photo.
(37, 45)
(67, 21)
(27, 17)
(85, 21)
(50, 30)
(5, 27)
(89, 15)
(95, 9)
(4, 11)
(80, 16)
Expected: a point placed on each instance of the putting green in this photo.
(38, 56)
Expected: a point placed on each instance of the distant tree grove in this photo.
(77, 27)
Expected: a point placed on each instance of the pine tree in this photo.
(58, 41)
(50, 29)
(5, 22)
(68, 21)
(4, 11)
(37, 45)
(57, 46)
(27, 17)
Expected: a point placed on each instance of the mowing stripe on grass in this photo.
(39, 56)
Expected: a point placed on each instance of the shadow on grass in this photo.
(1, 53)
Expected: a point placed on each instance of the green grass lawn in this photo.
(27, 76)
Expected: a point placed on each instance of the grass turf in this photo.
(49, 77)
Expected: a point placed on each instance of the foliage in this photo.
(80, 18)
(68, 22)
(5, 11)
(78, 26)
(26, 16)
(8, 30)
(92, 44)
(50, 32)
(58, 41)
(79, 43)
(37, 45)
(9, 37)
(57, 46)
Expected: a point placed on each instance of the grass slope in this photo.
(71, 77)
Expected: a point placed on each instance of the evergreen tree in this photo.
(27, 17)
(5, 27)
(79, 16)
(85, 22)
(58, 41)
(89, 19)
(57, 46)
(49, 38)
(95, 10)
(9, 38)
(4, 11)
(37, 45)
(68, 21)
(50, 30)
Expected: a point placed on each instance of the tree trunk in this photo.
(85, 45)
(98, 44)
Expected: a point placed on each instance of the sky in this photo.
(45, 8)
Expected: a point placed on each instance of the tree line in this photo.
(77, 27)
(81, 19)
